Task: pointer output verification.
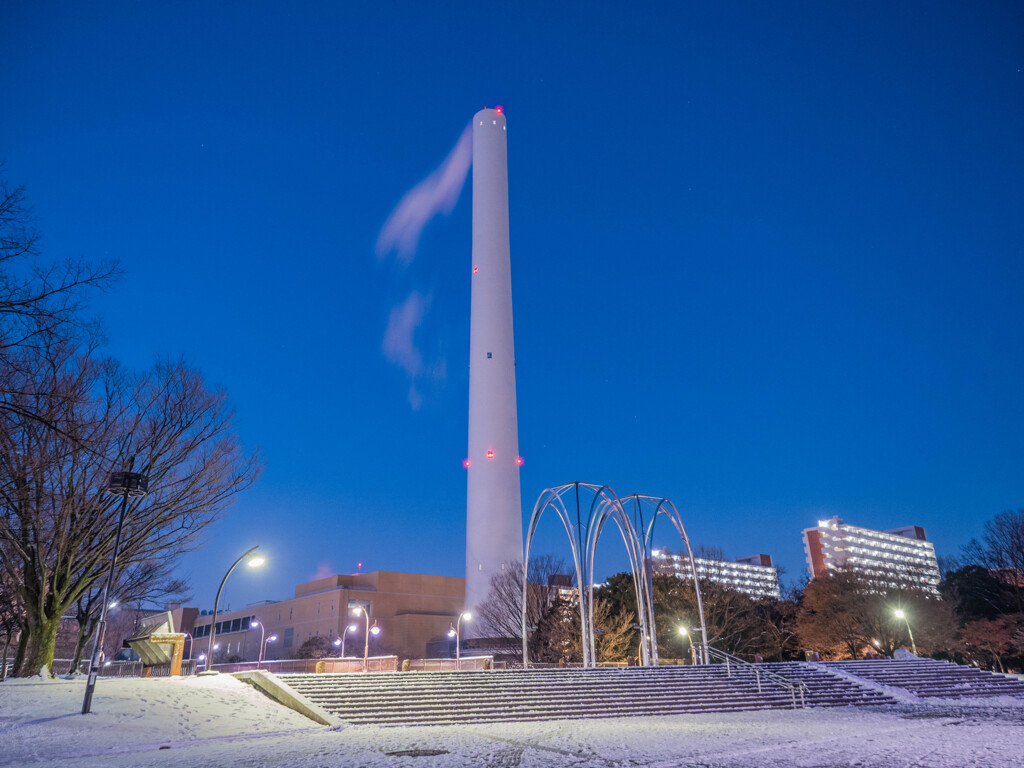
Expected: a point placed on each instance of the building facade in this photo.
(898, 557)
(410, 609)
(754, 575)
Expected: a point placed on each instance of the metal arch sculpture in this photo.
(552, 497)
(667, 508)
(611, 508)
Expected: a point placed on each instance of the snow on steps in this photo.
(930, 678)
(523, 695)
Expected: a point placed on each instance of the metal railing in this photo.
(796, 688)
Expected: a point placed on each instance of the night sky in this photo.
(766, 257)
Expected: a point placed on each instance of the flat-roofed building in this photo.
(754, 575)
(898, 557)
(410, 608)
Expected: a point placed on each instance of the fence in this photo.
(310, 666)
(466, 664)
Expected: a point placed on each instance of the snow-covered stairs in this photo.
(930, 678)
(521, 695)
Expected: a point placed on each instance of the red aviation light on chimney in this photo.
(467, 463)
(499, 109)
(519, 461)
(489, 454)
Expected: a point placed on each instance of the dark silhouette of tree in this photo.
(977, 594)
(1001, 550)
(12, 614)
(39, 302)
(316, 647)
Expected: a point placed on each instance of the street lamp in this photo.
(374, 629)
(263, 648)
(684, 632)
(127, 484)
(900, 614)
(191, 642)
(254, 562)
(454, 631)
(258, 622)
(341, 638)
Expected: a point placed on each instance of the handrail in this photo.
(794, 686)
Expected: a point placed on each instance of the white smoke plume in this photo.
(400, 348)
(399, 338)
(323, 570)
(438, 193)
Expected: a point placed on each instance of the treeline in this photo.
(70, 415)
(975, 617)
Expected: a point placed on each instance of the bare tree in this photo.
(36, 299)
(55, 521)
(500, 615)
(1001, 549)
(138, 583)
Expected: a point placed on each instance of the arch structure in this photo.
(584, 529)
(652, 507)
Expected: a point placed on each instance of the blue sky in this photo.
(767, 258)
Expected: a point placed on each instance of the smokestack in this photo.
(494, 523)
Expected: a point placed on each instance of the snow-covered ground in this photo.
(218, 721)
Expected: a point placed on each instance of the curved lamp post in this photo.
(374, 629)
(341, 638)
(263, 648)
(126, 484)
(453, 631)
(258, 622)
(899, 613)
(254, 562)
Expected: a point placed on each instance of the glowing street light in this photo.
(340, 640)
(900, 614)
(454, 631)
(684, 632)
(374, 629)
(258, 622)
(254, 562)
(263, 648)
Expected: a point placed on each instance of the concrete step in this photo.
(527, 695)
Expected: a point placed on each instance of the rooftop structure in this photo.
(754, 575)
(898, 557)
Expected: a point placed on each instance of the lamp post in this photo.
(254, 562)
(258, 622)
(263, 648)
(374, 629)
(900, 614)
(341, 638)
(684, 632)
(127, 484)
(191, 642)
(454, 631)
